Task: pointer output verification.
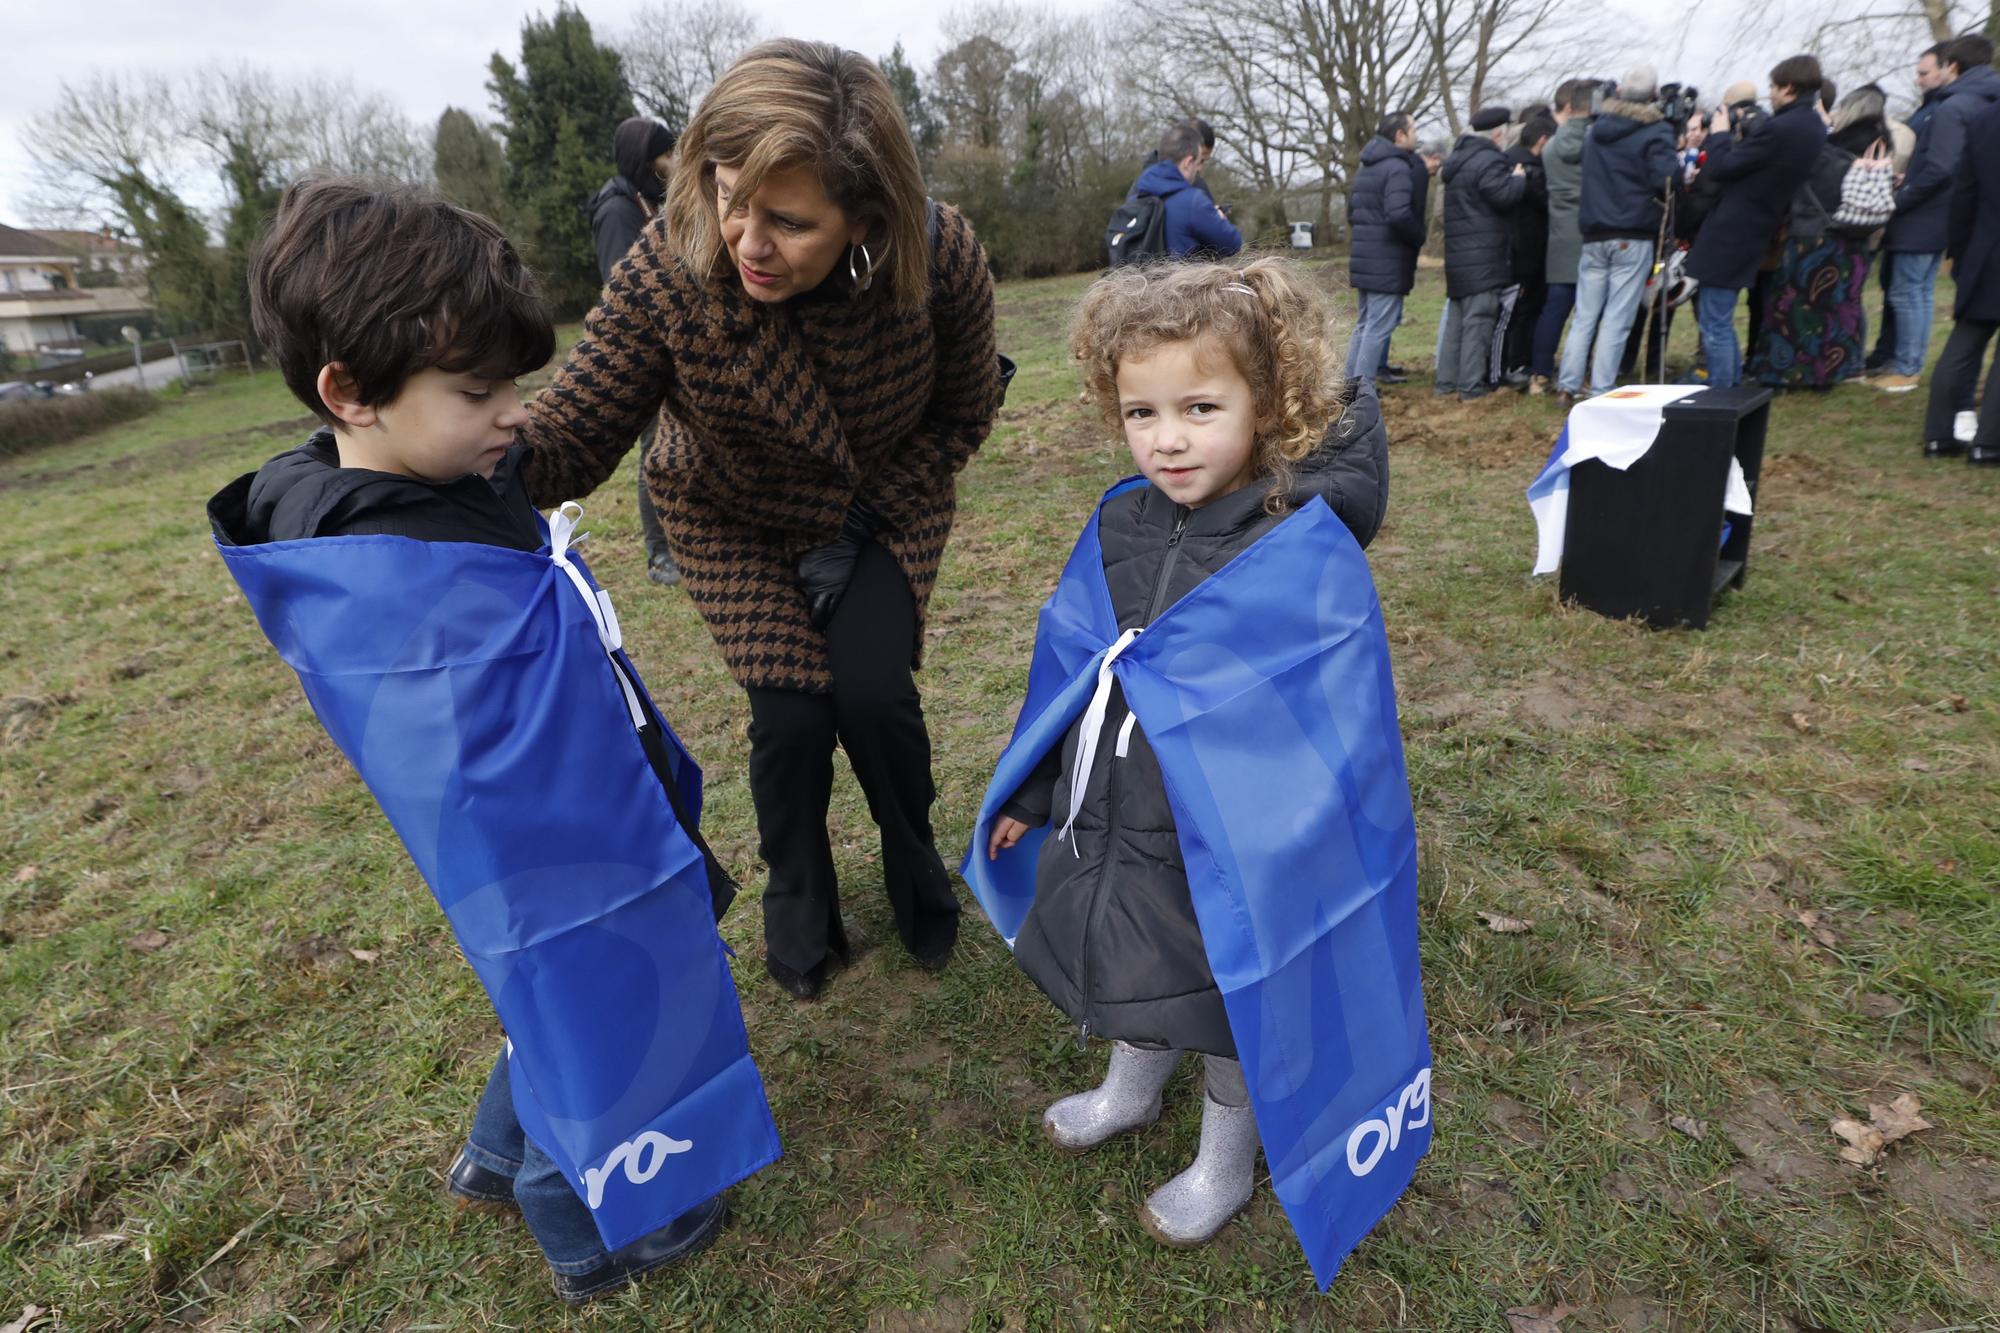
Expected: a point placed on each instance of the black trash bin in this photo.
(1652, 542)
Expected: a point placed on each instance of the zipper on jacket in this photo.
(1181, 516)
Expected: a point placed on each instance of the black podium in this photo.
(1651, 542)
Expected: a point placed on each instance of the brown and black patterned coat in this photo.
(773, 419)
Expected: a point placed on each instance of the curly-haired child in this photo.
(1224, 383)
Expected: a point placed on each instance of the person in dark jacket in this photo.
(1629, 163)
(1218, 482)
(1562, 170)
(643, 151)
(1917, 234)
(1386, 228)
(1930, 80)
(1813, 324)
(1974, 244)
(1195, 226)
(347, 292)
(1759, 177)
(1529, 249)
(1481, 191)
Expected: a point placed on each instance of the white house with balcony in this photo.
(41, 299)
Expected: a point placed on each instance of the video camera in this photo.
(1678, 102)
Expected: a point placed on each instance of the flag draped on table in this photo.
(1267, 697)
(482, 695)
(1616, 429)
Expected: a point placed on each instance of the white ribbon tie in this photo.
(1093, 724)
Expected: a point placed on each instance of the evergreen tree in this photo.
(470, 166)
(924, 126)
(558, 114)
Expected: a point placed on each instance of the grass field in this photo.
(1762, 865)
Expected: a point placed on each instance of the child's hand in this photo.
(1006, 832)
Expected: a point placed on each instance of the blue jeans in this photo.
(1368, 349)
(558, 1220)
(1610, 279)
(1715, 312)
(1913, 299)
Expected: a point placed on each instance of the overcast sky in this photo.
(429, 54)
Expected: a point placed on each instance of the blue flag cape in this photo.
(470, 687)
(1266, 695)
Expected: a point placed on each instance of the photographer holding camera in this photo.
(1759, 170)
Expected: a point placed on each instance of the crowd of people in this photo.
(1612, 205)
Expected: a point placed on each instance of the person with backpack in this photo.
(643, 151)
(1386, 229)
(1165, 214)
(1482, 190)
(1813, 324)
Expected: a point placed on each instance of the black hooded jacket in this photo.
(1112, 936)
(619, 211)
(305, 493)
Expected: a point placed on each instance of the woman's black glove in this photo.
(824, 571)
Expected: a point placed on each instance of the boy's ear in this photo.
(341, 394)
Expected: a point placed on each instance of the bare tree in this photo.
(676, 49)
(1869, 40)
(102, 130)
(1295, 87)
(1474, 43)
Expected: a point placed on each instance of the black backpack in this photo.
(1138, 230)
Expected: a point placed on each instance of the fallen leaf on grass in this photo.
(364, 955)
(1507, 1025)
(1689, 1126)
(146, 941)
(25, 873)
(1899, 1119)
(1851, 598)
(29, 1314)
(1916, 766)
(1815, 924)
(1506, 925)
(1539, 1318)
(1800, 722)
(1947, 866)
(1866, 1143)
(1959, 704)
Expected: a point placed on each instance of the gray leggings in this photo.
(1225, 1081)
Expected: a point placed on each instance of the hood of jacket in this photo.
(628, 154)
(1163, 179)
(1620, 119)
(1469, 149)
(295, 490)
(1379, 149)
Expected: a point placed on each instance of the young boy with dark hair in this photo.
(457, 650)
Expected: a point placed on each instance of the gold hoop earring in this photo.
(862, 280)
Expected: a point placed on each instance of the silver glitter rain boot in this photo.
(1128, 1099)
(1189, 1209)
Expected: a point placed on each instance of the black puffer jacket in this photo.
(1974, 241)
(1481, 192)
(1385, 219)
(1112, 937)
(1628, 164)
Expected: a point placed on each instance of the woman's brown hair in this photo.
(791, 103)
(1267, 317)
